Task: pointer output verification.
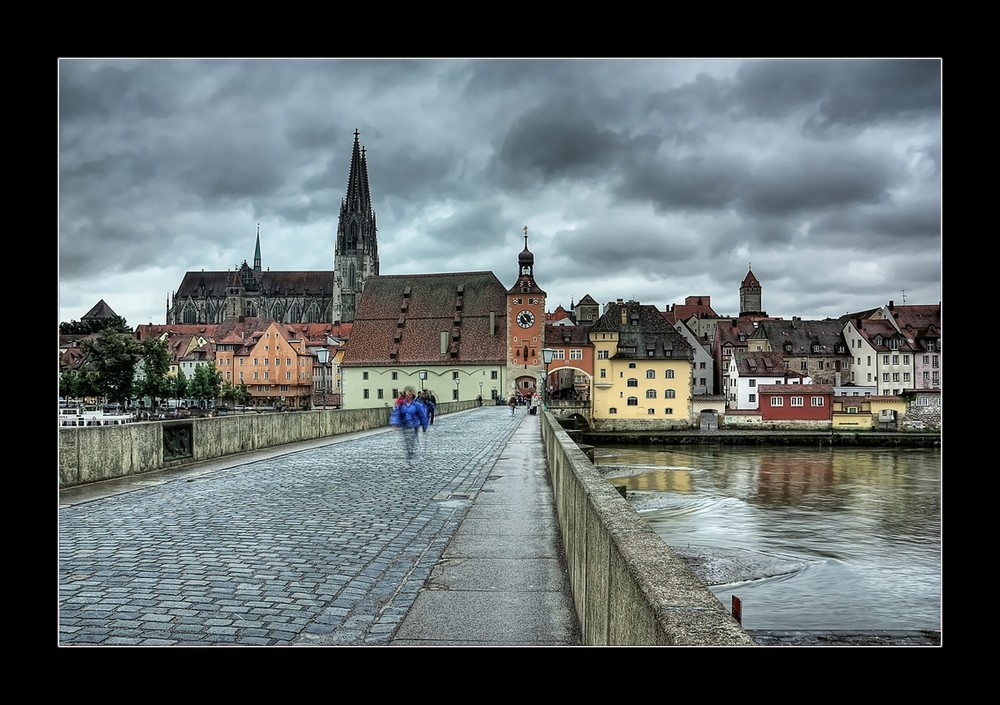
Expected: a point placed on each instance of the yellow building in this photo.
(642, 371)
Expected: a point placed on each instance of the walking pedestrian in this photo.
(430, 401)
(409, 416)
(513, 404)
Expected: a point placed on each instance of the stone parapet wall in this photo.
(629, 589)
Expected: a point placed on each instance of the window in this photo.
(816, 401)
(668, 411)
(777, 401)
(906, 376)
(895, 376)
(752, 398)
(288, 375)
(603, 374)
(934, 379)
(256, 375)
(493, 374)
(701, 365)
(613, 410)
(256, 362)
(885, 359)
(803, 365)
(632, 382)
(885, 376)
(288, 361)
(821, 364)
(931, 345)
(364, 375)
(869, 376)
(631, 365)
(364, 394)
(380, 394)
(669, 374)
(669, 394)
(651, 394)
(395, 393)
(650, 374)
(894, 343)
(395, 376)
(633, 401)
(702, 382)
(454, 375)
(576, 354)
(267, 362)
(934, 361)
(650, 411)
(852, 410)
(797, 401)
(602, 354)
(753, 383)
(906, 359)
(895, 359)
(927, 376)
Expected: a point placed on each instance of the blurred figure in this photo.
(513, 404)
(409, 416)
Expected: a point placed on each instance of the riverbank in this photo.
(888, 439)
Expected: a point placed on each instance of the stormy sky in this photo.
(643, 179)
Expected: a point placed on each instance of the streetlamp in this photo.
(547, 354)
(423, 376)
(457, 380)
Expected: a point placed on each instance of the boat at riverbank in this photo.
(90, 415)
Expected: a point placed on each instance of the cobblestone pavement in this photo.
(334, 540)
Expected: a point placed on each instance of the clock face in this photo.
(525, 319)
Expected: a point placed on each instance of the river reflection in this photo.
(839, 538)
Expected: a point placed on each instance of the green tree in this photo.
(111, 358)
(179, 386)
(243, 394)
(95, 325)
(155, 382)
(75, 384)
(205, 384)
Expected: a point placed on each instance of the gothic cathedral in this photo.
(292, 297)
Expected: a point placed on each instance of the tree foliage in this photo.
(94, 325)
(155, 382)
(111, 360)
(205, 384)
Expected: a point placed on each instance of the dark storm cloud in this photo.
(653, 179)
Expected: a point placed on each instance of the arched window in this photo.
(670, 394)
(633, 401)
(651, 394)
(650, 374)
(669, 374)
(633, 382)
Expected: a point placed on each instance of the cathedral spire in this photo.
(355, 255)
(256, 252)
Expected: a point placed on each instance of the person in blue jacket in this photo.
(409, 416)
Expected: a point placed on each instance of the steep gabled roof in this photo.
(802, 335)
(643, 332)
(100, 310)
(760, 364)
(401, 318)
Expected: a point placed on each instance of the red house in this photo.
(796, 402)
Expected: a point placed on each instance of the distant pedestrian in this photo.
(430, 401)
(409, 416)
(513, 404)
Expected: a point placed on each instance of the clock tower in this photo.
(525, 327)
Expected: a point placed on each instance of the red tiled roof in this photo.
(406, 315)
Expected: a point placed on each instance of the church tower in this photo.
(356, 252)
(525, 326)
(751, 296)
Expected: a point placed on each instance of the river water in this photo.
(806, 538)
